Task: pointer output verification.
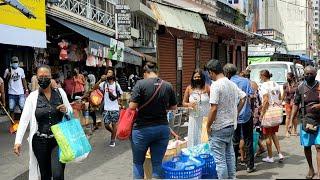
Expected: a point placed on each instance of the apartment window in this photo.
(315, 19)
(316, 8)
(236, 1)
(316, 14)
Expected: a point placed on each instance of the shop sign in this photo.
(98, 50)
(123, 21)
(116, 50)
(179, 54)
(23, 22)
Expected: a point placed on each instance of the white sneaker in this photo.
(281, 157)
(268, 160)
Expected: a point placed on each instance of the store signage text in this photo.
(123, 21)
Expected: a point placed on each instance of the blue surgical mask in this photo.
(15, 65)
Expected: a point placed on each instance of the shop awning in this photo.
(179, 18)
(255, 60)
(17, 5)
(91, 35)
(227, 24)
(258, 38)
(150, 58)
(132, 57)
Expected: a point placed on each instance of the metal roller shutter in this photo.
(189, 62)
(167, 59)
(205, 53)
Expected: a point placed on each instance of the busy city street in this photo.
(115, 163)
(159, 89)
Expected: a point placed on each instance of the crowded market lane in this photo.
(115, 163)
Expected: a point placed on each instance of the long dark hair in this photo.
(203, 81)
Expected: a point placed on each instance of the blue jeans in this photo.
(156, 138)
(15, 100)
(222, 148)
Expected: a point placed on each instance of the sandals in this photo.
(310, 176)
(260, 152)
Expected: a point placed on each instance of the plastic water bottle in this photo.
(86, 117)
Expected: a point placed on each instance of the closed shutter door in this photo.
(167, 59)
(189, 62)
(205, 53)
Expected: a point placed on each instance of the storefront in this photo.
(72, 46)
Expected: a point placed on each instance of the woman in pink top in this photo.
(79, 82)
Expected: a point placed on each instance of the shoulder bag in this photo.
(128, 116)
(273, 116)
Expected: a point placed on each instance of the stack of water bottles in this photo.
(183, 167)
(203, 151)
(195, 162)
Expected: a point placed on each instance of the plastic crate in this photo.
(209, 170)
(189, 172)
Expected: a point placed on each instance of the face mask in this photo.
(310, 79)
(197, 81)
(14, 65)
(109, 78)
(44, 82)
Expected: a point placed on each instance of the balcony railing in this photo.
(90, 11)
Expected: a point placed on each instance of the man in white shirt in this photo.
(226, 101)
(112, 92)
(17, 85)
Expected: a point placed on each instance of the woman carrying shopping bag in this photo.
(43, 108)
(271, 114)
(153, 97)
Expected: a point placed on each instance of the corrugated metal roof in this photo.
(179, 19)
(229, 25)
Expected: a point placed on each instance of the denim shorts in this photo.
(15, 100)
(110, 117)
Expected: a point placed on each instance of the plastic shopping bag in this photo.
(73, 143)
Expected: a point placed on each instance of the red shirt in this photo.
(68, 86)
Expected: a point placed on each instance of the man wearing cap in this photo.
(17, 85)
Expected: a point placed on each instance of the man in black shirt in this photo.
(309, 92)
(151, 128)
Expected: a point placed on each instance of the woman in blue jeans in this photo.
(150, 129)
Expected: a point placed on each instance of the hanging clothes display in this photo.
(63, 50)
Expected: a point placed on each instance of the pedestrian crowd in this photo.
(235, 107)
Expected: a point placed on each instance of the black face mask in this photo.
(110, 78)
(44, 82)
(310, 79)
(197, 82)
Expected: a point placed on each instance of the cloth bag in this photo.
(273, 116)
(73, 143)
(128, 116)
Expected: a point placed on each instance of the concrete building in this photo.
(297, 18)
(316, 20)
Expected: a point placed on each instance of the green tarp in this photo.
(255, 60)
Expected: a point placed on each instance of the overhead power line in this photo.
(294, 4)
